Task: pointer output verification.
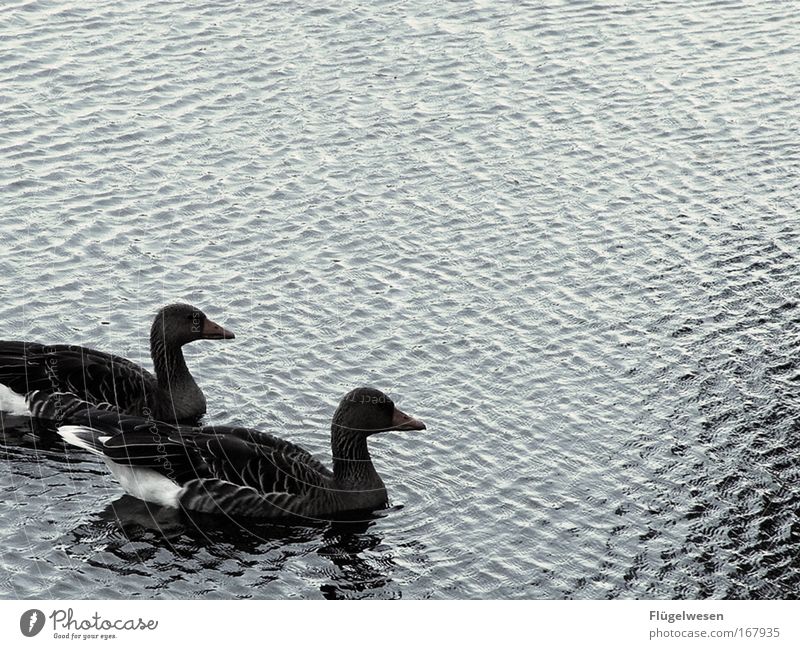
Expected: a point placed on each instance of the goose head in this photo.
(365, 411)
(182, 323)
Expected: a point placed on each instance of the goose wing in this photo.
(90, 375)
(239, 456)
(66, 407)
(251, 473)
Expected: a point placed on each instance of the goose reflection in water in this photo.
(345, 545)
(129, 533)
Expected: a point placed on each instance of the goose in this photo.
(240, 472)
(97, 377)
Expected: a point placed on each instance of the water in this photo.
(565, 235)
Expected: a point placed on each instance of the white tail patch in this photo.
(11, 402)
(76, 435)
(146, 484)
(142, 483)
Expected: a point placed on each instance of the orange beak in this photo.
(401, 421)
(212, 331)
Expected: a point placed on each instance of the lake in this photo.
(564, 234)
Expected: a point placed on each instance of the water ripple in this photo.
(563, 234)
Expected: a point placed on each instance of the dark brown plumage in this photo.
(97, 377)
(241, 471)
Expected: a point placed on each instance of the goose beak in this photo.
(401, 421)
(212, 331)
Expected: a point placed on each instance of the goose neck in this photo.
(352, 464)
(168, 361)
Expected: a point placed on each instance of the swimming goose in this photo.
(97, 377)
(241, 471)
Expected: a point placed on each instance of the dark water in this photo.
(564, 234)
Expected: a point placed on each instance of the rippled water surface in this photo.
(564, 234)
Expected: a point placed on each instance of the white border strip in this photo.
(529, 624)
